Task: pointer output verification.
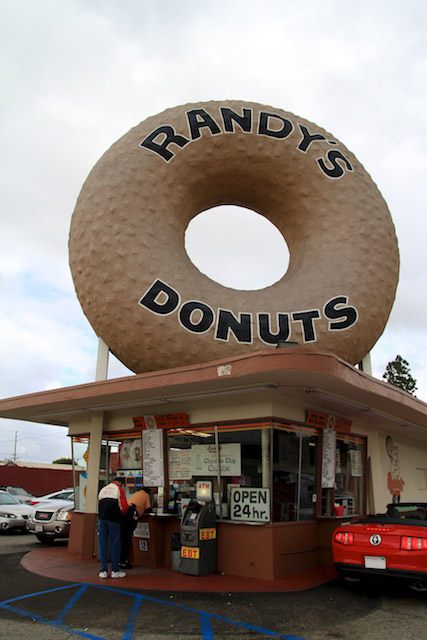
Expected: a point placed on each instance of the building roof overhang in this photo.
(320, 378)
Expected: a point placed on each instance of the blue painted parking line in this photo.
(205, 617)
(133, 616)
(70, 604)
(40, 593)
(212, 616)
(205, 623)
(51, 623)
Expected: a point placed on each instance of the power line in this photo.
(32, 458)
(48, 435)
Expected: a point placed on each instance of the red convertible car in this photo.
(393, 544)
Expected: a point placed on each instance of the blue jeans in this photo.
(108, 528)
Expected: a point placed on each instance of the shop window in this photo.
(192, 455)
(295, 453)
(108, 463)
(346, 498)
(182, 444)
(249, 449)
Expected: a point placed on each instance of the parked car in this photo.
(19, 493)
(64, 494)
(51, 520)
(392, 544)
(13, 514)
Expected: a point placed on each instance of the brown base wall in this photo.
(83, 539)
(256, 551)
(268, 551)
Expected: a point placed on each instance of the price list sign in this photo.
(152, 452)
(329, 458)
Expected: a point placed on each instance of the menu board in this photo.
(180, 464)
(329, 458)
(152, 455)
(356, 463)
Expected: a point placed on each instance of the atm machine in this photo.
(198, 533)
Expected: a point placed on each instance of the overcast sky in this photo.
(78, 74)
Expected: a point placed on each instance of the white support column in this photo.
(102, 361)
(366, 365)
(94, 462)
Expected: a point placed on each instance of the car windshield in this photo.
(18, 491)
(416, 511)
(62, 496)
(8, 499)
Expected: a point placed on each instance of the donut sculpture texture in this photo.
(155, 309)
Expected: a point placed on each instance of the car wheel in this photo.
(45, 539)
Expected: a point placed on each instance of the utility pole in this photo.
(14, 450)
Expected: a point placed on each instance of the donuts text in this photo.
(333, 163)
(198, 317)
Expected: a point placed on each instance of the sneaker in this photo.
(103, 574)
(118, 574)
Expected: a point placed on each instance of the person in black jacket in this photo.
(111, 508)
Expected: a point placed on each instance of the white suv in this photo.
(51, 520)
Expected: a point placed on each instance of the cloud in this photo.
(253, 256)
(44, 337)
(78, 75)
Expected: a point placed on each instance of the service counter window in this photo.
(243, 460)
(129, 462)
(295, 451)
(182, 445)
(346, 497)
(107, 466)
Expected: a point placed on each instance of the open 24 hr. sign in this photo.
(250, 504)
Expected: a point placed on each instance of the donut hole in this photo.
(237, 248)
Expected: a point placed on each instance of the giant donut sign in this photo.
(155, 309)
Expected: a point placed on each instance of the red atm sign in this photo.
(250, 504)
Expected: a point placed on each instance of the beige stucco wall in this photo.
(238, 407)
(411, 464)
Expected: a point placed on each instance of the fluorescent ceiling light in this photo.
(178, 431)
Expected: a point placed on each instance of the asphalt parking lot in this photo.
(43, 608)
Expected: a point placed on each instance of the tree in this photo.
(64, 461)
(398, 374)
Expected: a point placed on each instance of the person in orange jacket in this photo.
(139, 503)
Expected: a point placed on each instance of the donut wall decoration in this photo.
(152, 306)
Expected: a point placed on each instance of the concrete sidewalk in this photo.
(59, 563)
